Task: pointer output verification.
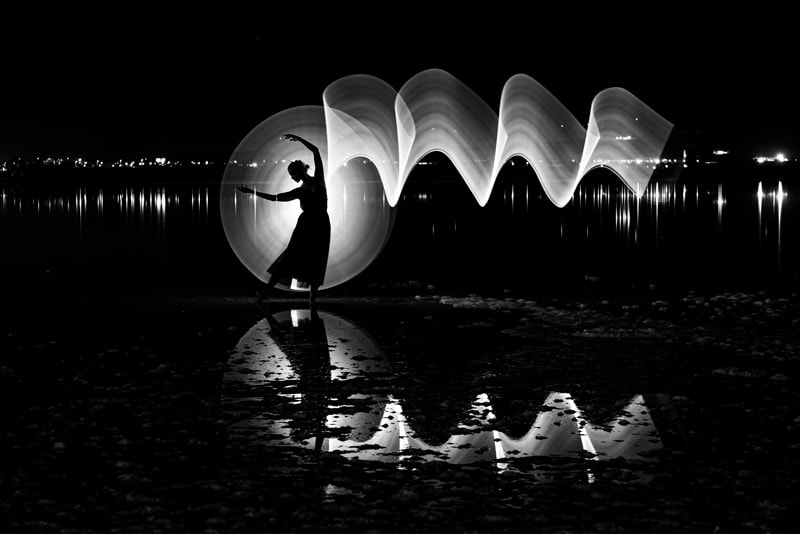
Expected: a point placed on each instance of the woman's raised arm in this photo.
(318, 171)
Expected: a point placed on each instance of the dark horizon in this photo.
(160, 88)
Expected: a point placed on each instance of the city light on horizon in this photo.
(780, 157)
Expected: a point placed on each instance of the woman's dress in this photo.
(306, 256)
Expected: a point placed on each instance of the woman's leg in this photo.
(264, 293)
(312, 297)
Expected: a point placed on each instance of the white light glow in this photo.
(363, 117)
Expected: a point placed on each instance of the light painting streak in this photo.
(363, 117)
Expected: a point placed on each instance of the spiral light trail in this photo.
(371, 138)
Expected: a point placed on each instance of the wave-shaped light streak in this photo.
(434, 111)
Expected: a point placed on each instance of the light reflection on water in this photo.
(658, 200)
(84, 203)
(607, 220)
(696, 232)
(317, 381)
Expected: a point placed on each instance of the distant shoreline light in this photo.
(72, 162)
(81, 163)
(780, 157)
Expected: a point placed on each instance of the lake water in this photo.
(114, 406)
(740, 235)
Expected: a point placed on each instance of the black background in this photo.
(118, 85)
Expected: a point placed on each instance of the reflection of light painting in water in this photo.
(374, 427)
(778, 196)
(372, 136)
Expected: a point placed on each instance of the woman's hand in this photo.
(291, 137)
(245, 190)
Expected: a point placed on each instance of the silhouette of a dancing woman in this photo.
(306, 256)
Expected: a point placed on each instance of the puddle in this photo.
(320, 382)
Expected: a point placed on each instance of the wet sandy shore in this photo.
(116, 414)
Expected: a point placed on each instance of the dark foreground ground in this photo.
(113, 416)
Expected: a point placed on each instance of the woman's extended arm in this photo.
(318, 172)
(280, 197)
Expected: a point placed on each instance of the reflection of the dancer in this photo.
(305, 344)
(291, 381)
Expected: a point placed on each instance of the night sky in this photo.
(164, 86)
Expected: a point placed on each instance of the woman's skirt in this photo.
(306, 256)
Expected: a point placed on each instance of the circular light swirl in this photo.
(259, 230)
